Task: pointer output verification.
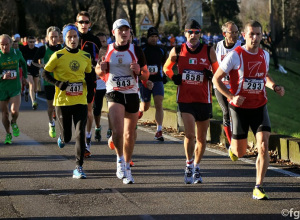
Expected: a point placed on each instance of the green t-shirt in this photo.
(11, 62)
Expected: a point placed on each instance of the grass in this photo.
(283, 111)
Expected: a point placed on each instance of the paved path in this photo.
(36, 181)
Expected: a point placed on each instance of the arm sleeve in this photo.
(168, 68)
(48, 77)
(140, 55)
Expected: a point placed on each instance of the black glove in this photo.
(208, 74)
(177, 79)
(62, 85)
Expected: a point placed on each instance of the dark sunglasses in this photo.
(83, 22)
(193, 31)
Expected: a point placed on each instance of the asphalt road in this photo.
(36, 181)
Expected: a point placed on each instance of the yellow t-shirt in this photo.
(70, 67)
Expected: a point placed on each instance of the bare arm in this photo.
(217, 81)
(271, 85)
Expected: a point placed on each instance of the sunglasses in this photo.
(83, 22)
(193, 31)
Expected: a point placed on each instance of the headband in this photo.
(67, 29)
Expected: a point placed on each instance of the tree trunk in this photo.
(132, 13)
(107, 6)
(22, 24)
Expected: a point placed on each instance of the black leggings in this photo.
(98, 101)
(79, 115)
(222, 100)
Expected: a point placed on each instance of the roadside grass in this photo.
(283, 111)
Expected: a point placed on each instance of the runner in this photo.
(247, 68)
(45, 52)
(28, 52)
(230, 42)
(194, 60)
(123, 64)
(91, 44)
(100, 91)
(71, 68)
(10, 85)
(156, 57)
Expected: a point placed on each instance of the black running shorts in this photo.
(257, 119)
(200, 111)
(49, 92)
(130, 101)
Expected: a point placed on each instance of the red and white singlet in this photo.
(247, 73)
(195, 87)
(221, 52)
(120, 77)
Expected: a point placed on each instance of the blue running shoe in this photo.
(60, 143)
(78, 173)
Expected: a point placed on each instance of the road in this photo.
(36, 181)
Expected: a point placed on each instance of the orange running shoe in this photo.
(131, 163)
(111, 143)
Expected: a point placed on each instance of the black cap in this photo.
(192, 24)
(152, 31)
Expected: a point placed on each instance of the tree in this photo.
(219, 12)
(110, 18)
(131, 5)
(156, 20)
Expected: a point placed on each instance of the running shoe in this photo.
(54, 115)
(188, 175)
(108, 133)
(34, 105)
(128, 177)
(111, 143)
(8, 139)
(158, 136)
(120, 169)
(140, 114)
(87, 153)
(88, 142)
(98, 134)
(260, 194)
(15, 128)
(131, 164)
(52, 132)
(78, 173)
(197, 176)
(26, 96)
(60, 143)
(232, 156)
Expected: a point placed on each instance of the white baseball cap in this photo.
(119, 23)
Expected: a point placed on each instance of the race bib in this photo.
(121, 83)
(74, 89)
(13, 73)
(153, 70)
(192, 77)
(29, 62)
(225, 80)
(252, 85)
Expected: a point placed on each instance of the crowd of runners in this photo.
(79, 69)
